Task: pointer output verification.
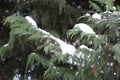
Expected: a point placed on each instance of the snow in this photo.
(70, 60)
(30, 20)
(28, 78)
(96, 16)
(110, 64)
(16, 77)
(80, 54)
(5, 45)
(108, 12)
(65, 48)
(101, 71)
(84, 28)
(33, 53)
(115, 73)
(43, 31)
(76, 73)
(112, 13)
(85, 47)
(87, 14)
(68, 48)
(83, 55)
(97, 36)
(54, 67)
(114, 7)
(99, 56)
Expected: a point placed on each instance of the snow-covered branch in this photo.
(65, 48)
(84, 28)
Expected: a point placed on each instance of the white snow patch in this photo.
(66, 48)
(84, 28)
(114, 7)
(30, 20)
(85, 47)
(115, 73)
(112, 13)
(96, 16)
(5, 45)
(108, 12)
(28, 78)
(20, 59)
(99, 56)
(16, 77)
(80, 54)
(33, 53)
(43, 31)
(70, 60)
(97, 36)
(76, 73)
(54, 67)
(87, 14)
(111, 64)
(101, 71)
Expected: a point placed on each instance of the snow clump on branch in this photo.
(30, 20)
(84, 28)
(97, 16)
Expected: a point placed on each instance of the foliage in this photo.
(38, 55)
(23, 29)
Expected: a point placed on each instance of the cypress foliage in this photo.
(38, 54)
